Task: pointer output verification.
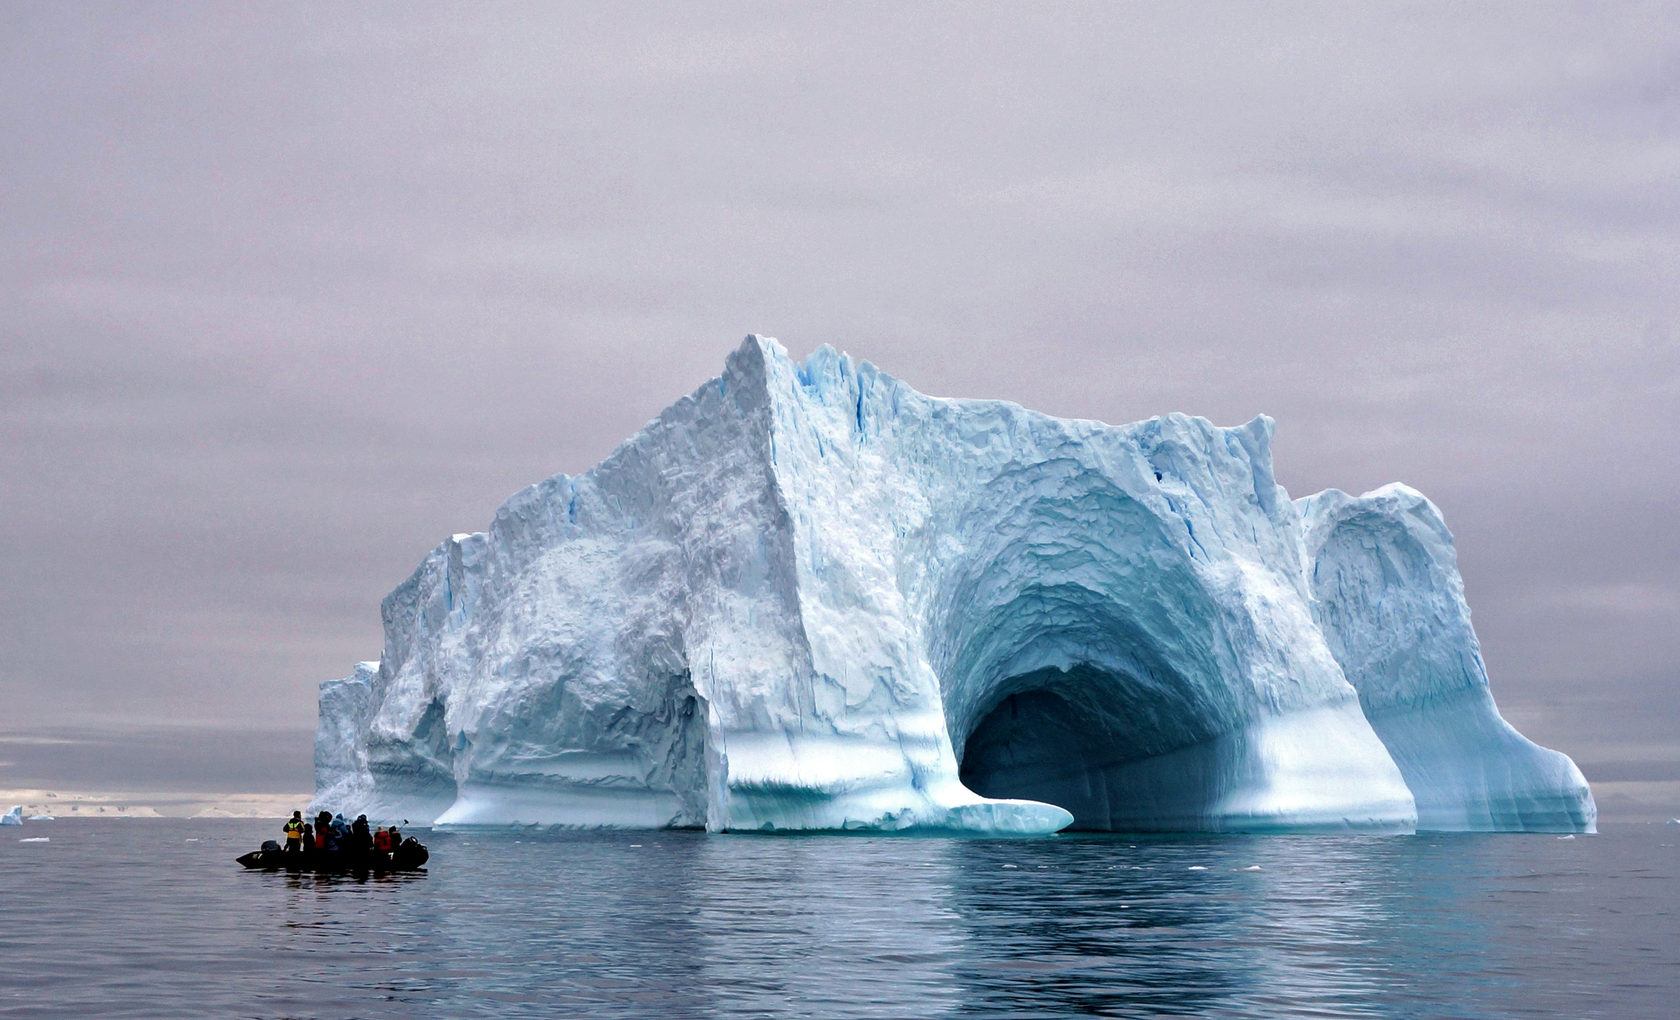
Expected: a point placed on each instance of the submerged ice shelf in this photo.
(808, 597)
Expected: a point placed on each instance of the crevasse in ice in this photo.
(808, 597)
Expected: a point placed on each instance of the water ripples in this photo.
(132, 919)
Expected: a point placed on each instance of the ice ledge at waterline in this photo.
(809, 597)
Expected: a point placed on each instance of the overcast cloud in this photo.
(289, 294)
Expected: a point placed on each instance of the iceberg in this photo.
(12, 817)
(808, 597)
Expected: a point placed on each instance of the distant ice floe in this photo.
(12, 817)
(807, 596)
(36, 839)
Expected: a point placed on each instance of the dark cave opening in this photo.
(1117, 754)
(1035, 746)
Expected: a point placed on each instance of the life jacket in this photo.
(294, 831)
(320, 839)
(381, 840)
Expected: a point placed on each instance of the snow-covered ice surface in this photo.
(12, 817)
(809, 597)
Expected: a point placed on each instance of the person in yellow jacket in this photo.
(294, 833)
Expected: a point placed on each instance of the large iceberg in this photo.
(807, 596)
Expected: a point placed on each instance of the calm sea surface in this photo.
(152, 918)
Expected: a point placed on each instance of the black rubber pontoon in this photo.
(410, 856)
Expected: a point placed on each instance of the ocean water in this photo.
(154, 919)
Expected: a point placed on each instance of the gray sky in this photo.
(288, 295)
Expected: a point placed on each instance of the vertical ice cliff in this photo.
(809, 597)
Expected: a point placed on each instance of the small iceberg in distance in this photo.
(12, 817)
(36, 839)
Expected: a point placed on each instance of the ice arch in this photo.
(1087, 660)
(1068, 650)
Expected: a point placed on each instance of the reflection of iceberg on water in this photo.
(839, 930)
(809, 597)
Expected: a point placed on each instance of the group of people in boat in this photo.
(331, 833)
(330, 843)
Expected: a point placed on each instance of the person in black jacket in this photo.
(361, 841)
